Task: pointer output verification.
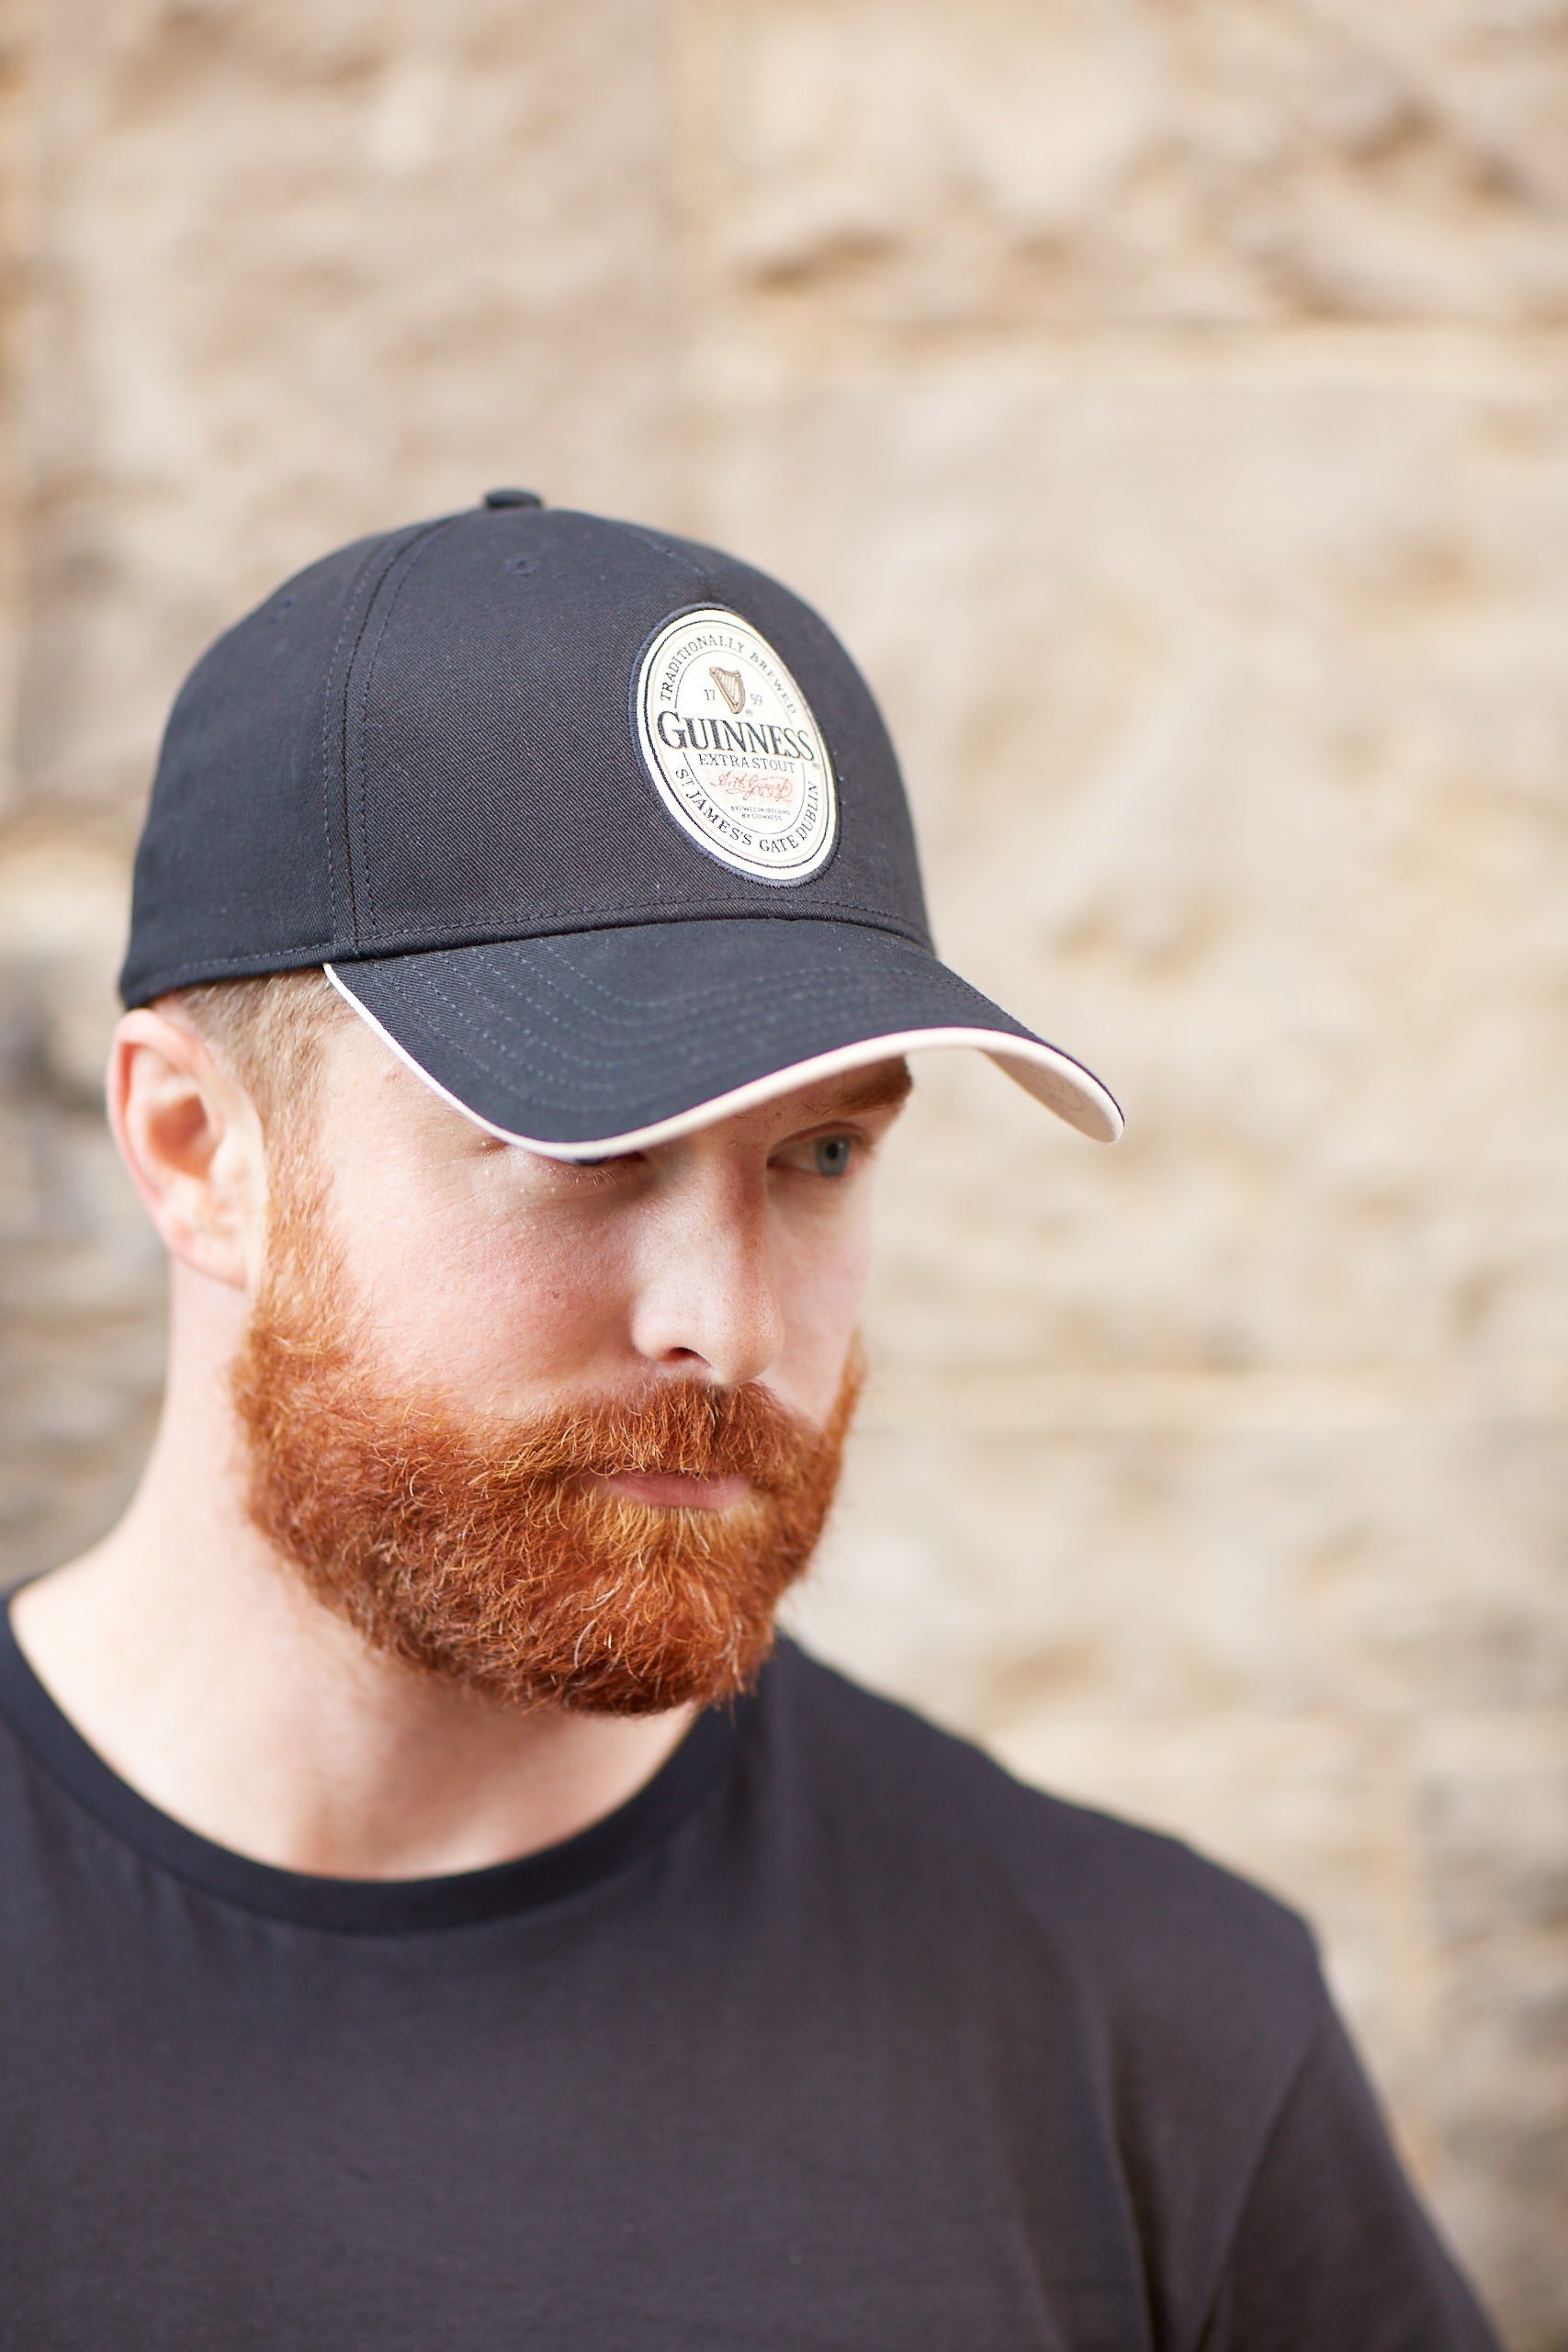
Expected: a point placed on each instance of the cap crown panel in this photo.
(243, 863)
(493, 780)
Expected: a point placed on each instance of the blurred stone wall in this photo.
(1167, 399)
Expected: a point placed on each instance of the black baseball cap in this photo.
(599, 829)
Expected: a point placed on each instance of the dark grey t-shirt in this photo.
(833, 2036)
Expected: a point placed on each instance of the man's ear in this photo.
(189, 1136)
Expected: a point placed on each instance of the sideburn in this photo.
(481, 1553)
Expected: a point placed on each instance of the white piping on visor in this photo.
(1053, 1078)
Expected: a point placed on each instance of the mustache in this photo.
(687, 1428)
(683, 1427)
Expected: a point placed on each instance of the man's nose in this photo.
(707, 1298)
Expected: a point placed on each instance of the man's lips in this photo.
(669, 1491)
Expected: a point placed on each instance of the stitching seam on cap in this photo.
(672, 555)
(409, 557)
(306, 952)
(256, 966)
(329, 698)
(591, 918)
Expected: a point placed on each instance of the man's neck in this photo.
(198, 1666)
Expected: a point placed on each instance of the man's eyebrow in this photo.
(878, 1089)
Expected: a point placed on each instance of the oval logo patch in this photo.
(733, 751)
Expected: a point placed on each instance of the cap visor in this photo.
(598, 1042)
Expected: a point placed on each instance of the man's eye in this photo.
(833, 1154)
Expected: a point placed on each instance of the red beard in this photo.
(485, 1554)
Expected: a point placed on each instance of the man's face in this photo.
(558, 1432)
(506, 1283)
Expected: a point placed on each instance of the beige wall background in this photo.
(1167, 400)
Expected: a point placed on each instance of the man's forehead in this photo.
(879, 1086)
(818, 1102)
(836, 1094)
(841, 1094)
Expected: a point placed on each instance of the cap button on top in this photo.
(512, 498)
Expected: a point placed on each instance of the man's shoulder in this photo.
(1148, 1932)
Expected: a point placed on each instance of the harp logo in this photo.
(732, 750)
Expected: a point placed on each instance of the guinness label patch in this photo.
(733, 751)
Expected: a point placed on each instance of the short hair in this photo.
(267, 1031)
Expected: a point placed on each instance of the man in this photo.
(434, 1916)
